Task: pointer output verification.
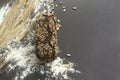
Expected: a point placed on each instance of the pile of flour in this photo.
(27, 63)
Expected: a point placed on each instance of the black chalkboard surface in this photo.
(91, 34)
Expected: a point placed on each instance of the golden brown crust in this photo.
(46, 38)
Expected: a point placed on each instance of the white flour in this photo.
(3, 11)
(27, 62)
(22, 56)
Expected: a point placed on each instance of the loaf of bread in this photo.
(46, 38)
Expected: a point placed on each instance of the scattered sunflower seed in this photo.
(56, 5)
(68, 55)
(74, 8)
(58, 21)
(64, 10)
(53, 8)
(63, 7)
(52, 4)
(61, 2)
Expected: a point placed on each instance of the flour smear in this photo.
(3, 11)
(21, 56)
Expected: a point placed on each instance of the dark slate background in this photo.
(91, 34)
